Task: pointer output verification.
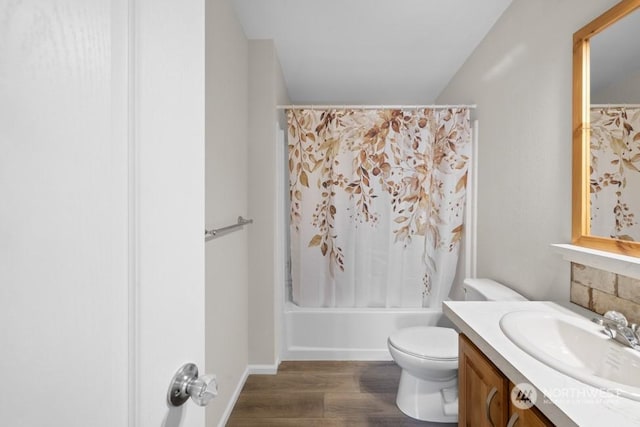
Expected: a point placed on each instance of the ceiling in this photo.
(369, 51)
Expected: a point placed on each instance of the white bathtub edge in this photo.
(310, 353)
(347, 333)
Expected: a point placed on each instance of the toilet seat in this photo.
(427, 342)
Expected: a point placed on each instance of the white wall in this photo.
(226, 190)
(244, 83)
(266, 90)
(520, 78)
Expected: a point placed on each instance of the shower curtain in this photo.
(377, 205)
(615, 172)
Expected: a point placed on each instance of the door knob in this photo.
(186, 384)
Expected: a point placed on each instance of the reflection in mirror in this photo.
(614, 70)
(606, 131)
(615, 130)
(615, 172)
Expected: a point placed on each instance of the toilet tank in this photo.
(489, 290)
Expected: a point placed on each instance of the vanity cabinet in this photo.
(484, 394)
(483, 390)
(531, 417)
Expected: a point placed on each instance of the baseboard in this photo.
(264, 369)
(250, 370)
(234, 398)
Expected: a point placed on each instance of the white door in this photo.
(101, 210)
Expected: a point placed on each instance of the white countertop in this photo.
(566, 401)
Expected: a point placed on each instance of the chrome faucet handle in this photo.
(617, 327)
(611, 321)
(615, 318)
(627, 336)
(636, 330)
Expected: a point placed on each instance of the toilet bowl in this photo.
(428, 356)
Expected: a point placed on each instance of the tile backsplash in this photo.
(600, 291)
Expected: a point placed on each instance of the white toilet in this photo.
(428, 356)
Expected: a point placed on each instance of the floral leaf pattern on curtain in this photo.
(615, 172)
(413, 159)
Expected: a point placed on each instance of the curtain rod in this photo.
(615, 105)
(368, 107)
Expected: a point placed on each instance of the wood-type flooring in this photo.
(332, 394)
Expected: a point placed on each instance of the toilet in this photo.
(428, 356)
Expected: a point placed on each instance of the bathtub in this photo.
(348, 333)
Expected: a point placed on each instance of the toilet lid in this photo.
(429, 342)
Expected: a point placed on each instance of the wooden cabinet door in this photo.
(531, 417)
(483, 390)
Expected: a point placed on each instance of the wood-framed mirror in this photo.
(606, 131)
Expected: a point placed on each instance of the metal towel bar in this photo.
(212, 234)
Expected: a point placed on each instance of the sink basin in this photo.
(576, 347)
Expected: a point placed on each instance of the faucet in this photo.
(616, 326)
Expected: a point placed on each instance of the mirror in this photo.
(606, 131)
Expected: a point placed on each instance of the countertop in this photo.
(565, 401)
